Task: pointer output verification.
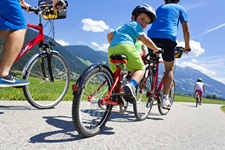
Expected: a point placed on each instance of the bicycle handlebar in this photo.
(38, 9)
(179, 51)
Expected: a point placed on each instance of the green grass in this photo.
(17, 93)
(223, 108)
(179, 98)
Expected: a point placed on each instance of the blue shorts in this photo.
(11, 15)
(169, 46)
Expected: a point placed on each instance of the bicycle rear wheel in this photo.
(43, 93)
(89, 115)
(171, 97)
(143, 104)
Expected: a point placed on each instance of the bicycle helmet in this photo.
(199, 80)
(172, 1)
(144, 8)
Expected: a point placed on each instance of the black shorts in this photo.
(168, 47)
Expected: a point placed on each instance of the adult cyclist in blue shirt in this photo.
(122, 42)
(164, 30)
(13, 29)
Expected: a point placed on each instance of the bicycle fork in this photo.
(42, 60)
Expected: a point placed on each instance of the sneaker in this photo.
(129, 90)
(12, 81)
(165, 104)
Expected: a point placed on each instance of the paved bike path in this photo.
(184, 127)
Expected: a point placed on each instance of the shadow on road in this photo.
(130, 117)
(16, 108)
(65, 132)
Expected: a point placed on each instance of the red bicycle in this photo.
(155, 80)
(98, 91)
(47, 70)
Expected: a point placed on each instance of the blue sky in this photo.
(89, 21)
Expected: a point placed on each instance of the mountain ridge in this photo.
(79, 57)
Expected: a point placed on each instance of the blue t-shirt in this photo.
(127, 33)
(11, 15)
(166, 24)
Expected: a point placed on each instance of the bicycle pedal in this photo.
(116, 96)
(129, 99)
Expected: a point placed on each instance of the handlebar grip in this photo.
(31, 9)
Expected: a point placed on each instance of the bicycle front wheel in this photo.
(143, 104)
(45, 92)
(171, 97)
(88, 113)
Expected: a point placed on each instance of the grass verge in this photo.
(17, 94)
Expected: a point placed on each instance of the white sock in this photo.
(166, 96)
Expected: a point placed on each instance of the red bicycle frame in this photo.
(155, 89)
(116, 84)
(31, 44)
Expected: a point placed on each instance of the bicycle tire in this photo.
(39, 93)
(171, 97)
(143, 106)
(91, 84)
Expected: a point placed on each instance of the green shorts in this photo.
(134, 62)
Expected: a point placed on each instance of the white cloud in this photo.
(196, 49)
(94, 26)
(212, 66)
(101, 47)
(61, 42)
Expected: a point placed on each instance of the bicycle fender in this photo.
(76, 87)
(33, 58)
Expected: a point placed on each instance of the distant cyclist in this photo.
(199, 87)
(164, 30)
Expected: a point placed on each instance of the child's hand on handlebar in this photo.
(158, 51)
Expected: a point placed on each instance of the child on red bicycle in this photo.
(122, 42)
(199, 87)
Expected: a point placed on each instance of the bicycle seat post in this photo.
(120, 60)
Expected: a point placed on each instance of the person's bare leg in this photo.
(137, 76)
(168, 76)
(12, 45)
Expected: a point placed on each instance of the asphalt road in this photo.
(185, 127)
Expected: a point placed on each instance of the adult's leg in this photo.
(12, 45)
(168, 76)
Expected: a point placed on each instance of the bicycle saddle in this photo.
(118, 59)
